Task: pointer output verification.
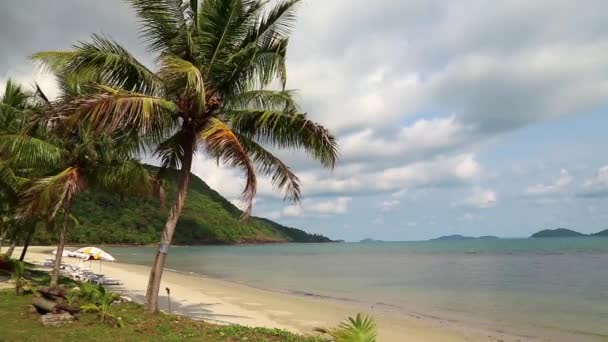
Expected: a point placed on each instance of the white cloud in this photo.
(390, 205)
(329, 207)
(423, 137)
(480, 198)
(559, 185)
(314, 207)
(598, 185)
(292, 211)
(450, 170)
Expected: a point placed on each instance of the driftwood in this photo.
(44, 305)
(53, 293)
(56, 319)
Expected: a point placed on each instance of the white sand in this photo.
(225, 302)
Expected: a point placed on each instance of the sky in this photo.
(463, 117)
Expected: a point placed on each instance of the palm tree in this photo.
(15, 103)
(219, 88)
(78, 161)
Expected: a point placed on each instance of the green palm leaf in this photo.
(359, 329)
(103, 60)
(287, 130)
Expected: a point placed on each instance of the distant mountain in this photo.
(461, 237)
(559, 232)
(602, 233)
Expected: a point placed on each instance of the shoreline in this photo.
(225, 301)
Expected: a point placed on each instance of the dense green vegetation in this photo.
(207, 218)
(563, 232)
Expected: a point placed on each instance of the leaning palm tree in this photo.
(75, 161)
(219, 88)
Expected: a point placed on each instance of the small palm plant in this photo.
(17, 270)
(100, 303)
(359, 329)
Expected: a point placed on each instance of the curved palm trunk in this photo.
(2, 236)
(28, 239)
(60, 246)
(11, 248)
(156, 272)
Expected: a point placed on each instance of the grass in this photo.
(17, 323)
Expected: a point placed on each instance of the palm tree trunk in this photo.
(2, 236)
(60, 245)
(26, 243)
(156, 271)
(11, 248)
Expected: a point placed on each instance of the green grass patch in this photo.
(17, 323)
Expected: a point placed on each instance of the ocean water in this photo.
(533, 287)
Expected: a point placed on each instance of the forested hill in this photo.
(208, 218)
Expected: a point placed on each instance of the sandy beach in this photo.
(225, 302)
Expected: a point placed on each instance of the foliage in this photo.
(100, 301)
(16, 322)
(114, 219)
(218, 66)
(17, 269)
(359, 329)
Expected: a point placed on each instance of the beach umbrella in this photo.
(94, 253)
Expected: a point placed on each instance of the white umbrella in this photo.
(95, 254)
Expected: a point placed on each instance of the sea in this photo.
(527, 286)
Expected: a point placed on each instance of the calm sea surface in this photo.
(526, 285)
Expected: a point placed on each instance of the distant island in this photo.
(461, 237)
(563, 232)
(370, 240)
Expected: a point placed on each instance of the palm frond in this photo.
(281, 175)
(115, 111)
(223, 144)
(277, 23)
(14, 95)
(41, 94)
(46, 196)
(102, 60)
(29, 151)
(171, 151)
(222, 25)
(123, 176)
(185, 79)
(263, 100)
(162, 22)
(287, 130)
